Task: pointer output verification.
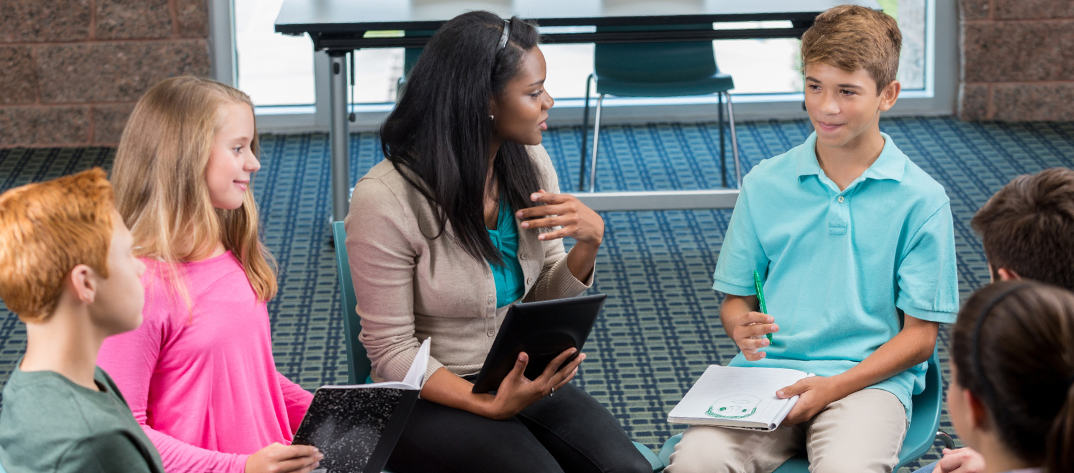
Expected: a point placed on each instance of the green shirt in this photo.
(50, 424)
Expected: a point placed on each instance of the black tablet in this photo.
(542, 330)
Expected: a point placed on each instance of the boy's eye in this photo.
(846, 92)
(814, 87)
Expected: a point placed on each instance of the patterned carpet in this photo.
(660, 327)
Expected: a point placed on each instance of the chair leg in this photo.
(734, 142)
(723, 158)
(596, 146)
(585, 128)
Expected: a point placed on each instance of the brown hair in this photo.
(853, 37)
(1013, 344)
(46, 229)
(159, 174)
(1028, 227)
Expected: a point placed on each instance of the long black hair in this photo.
(440, 130)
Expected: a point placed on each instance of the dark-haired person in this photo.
(463, 219)
(1011, 395)
(1028, 232)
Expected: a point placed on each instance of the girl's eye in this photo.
(814, 87)
(537, 94)
(238, 149)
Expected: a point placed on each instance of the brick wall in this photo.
(1017, 60)
(71, 70)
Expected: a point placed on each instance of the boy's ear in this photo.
(82, 282)
(1007, 274)
(889, 95)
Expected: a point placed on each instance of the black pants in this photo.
(568, 432)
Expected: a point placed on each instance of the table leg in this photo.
(338, 135)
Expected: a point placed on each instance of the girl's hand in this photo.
(516, 392)
(566, 211)
(279, 458)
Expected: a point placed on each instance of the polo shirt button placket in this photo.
(491, 332)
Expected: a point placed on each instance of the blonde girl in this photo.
(199, 373)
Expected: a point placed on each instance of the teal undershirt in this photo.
(509, 280)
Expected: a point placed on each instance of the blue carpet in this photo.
(660, 327)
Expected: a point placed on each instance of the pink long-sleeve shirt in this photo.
(203, 382)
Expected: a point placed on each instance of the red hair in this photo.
(48, 228)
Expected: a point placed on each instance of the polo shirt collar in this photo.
(891, 164)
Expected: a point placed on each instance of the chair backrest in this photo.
(358, 366)
(655, 62)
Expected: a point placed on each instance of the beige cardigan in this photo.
(410, 287)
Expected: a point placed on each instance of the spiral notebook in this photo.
(737, 398)
(356, 427)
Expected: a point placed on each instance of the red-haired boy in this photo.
(67, 270)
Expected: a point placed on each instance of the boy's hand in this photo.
(814, 394)
(960, 460)
(749, 333)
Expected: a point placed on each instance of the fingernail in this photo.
(540, 237)
(764, 342)
(525, 225)
(534, 196)
(769, 319)
(775, 328)
(518, 214)
(779, 393)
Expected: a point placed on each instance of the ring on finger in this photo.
(552, 392)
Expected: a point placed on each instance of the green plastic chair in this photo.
(920, 436)
(358, 366)
(664, 69)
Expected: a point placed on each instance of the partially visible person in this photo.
(199, 372)
(1028, 232)
(67, 271)
(461, 220)
(1011, 395)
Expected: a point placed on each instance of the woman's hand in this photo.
(279, 458)
(516, 392)
(566, 211)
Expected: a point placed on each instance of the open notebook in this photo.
(356, 426)
(738, 398)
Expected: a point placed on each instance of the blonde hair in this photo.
(852, 37)
(159, 177)
(46, 229)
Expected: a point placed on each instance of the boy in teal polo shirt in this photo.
(856, 247)
(67, 270)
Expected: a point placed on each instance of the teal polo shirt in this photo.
(840, 268)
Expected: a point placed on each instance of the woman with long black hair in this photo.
(463, 219)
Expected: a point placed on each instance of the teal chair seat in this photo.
(358, 365)
(920, 436)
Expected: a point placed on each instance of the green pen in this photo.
(760, 296)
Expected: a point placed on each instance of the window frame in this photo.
(938, 98)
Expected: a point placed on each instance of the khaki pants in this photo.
(862, 432)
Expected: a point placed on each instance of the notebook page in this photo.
(737, 396)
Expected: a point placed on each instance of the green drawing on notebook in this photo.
(734, 407)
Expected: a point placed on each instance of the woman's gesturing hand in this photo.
(567, 212)
(516, 392)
